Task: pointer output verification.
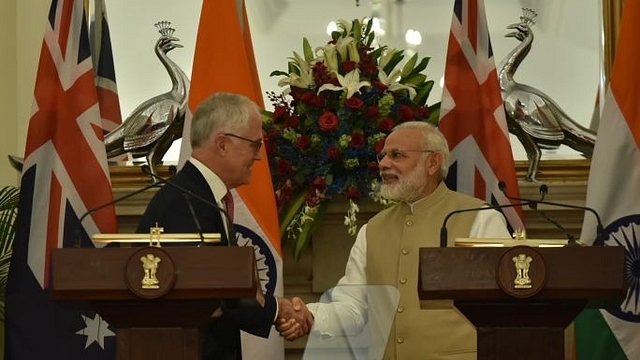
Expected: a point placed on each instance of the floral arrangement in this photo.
(340, 102)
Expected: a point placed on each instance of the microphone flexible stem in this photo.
(533, 204)
(443, 230)
(195, 218)
(188, 193)
(124, 197)
(571, 238)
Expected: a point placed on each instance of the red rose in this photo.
(319, 184)
(297, 93)
(378, 146)
(279, 113)
(405, 113)
(348, 66)
(333, 152)
(354, 103)
(321, 74)
(303, 142)
(386, 124)
(367, 66)
(273, 133)
(283, 167)
(328, 121)
(317, 101)
(269, 147)
(372, 112)
(292, 122)
(312, 99)
(422, 112)
(357, 139)
(353, 193)
(381, 87)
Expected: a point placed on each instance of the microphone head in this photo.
(544, 189)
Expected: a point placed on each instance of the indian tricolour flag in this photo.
(224, 61)
(614, 191)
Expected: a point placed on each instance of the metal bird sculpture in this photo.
(152, 127)
(532, 116)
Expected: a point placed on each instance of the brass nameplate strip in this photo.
(165, 238)
(466, 242)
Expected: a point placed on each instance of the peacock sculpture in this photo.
(533, 117)
(155, 124)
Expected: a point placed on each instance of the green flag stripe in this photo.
(594, 339)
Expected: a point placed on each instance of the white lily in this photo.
(344, 25)
(346, 47)
(330, 57)
(304, 79)
(391, 81)
(350, 83)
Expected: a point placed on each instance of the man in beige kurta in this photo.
(413, 165)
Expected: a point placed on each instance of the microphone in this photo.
(443, 231)
(543, 192)
(188, 194)
(112, 202)
(533, 204)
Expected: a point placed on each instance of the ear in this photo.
(433, 163)
(220, 143)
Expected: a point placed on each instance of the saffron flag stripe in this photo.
(613, 191)
(256, 218)
(65, 173)
(472, 117)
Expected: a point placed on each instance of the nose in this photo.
(383, 163)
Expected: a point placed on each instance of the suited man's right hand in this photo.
(294, 319)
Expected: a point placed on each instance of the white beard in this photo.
(409, 187)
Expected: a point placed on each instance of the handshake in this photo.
(294, 318)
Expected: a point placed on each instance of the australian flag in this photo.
(65, 173)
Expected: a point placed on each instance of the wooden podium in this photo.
(522, 298)
(156, 298)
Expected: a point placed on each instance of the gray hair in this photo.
(433, 140)
(220, 112)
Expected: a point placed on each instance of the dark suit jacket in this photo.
(170, 210)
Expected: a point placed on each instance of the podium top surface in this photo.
(472, 273)
(196, 273)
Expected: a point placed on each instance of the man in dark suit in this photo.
(226, 136)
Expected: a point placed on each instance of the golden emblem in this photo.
(150, 267)
(522, 263)
(155, 235)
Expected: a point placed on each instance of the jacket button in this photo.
(400, 340)
(403, 281)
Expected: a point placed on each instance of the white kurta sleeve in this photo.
(342, 310)
(489, 224)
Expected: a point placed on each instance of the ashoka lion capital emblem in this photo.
(522, 263)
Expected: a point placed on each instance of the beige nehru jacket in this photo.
(393, 239)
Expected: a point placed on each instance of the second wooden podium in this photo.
(156, 298)
(521, 298)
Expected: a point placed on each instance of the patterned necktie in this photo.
(227, 199)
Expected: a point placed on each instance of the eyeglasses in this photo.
(257, 144)
(397, 155)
